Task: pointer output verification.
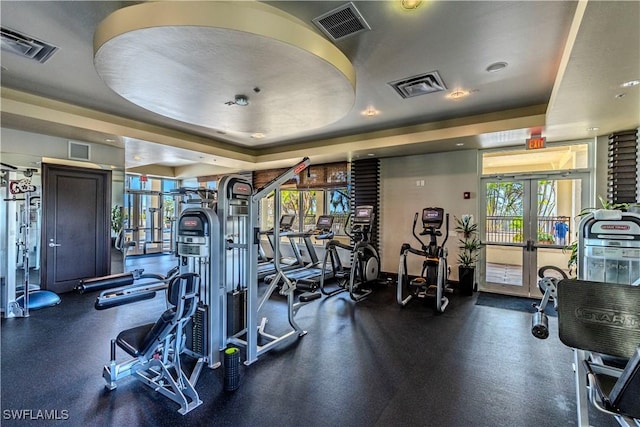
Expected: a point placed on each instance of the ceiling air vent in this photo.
(26, 46)
(342, 22)
(419, 85)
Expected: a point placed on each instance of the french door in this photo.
(528, 222)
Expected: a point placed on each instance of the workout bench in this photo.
(601, 321)
(156, 348)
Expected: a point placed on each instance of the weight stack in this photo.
(197, 331)
(236, 311)
(231, 369)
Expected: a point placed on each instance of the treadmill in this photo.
(311, 273)
(286, 263)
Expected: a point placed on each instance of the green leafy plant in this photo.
(469, 243)
(117, 219)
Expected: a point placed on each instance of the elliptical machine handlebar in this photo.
(446, 230)
(413, 229)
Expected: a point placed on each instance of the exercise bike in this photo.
(365, 260)
(432, 282)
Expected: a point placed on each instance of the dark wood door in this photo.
(76, 230)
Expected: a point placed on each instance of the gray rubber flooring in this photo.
(367, 364)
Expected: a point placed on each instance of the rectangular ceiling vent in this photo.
(419, 85)
(26, 46)
(342, 22)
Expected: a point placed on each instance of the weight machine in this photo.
(432, 282)
(213, 297)
(608, 252)
(19, 198)
(598, 315)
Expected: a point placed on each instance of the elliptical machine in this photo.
(432, 282)
(365, 262)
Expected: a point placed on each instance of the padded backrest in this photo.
(181, 286)
(182, 294)
(599, 317)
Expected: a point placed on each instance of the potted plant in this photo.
(117, 222)
(469, 250)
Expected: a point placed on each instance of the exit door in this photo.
(528, 223)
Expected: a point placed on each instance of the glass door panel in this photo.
(505, 235)
(528, 223)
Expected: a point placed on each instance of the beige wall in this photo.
(409, 184)
(26, 149)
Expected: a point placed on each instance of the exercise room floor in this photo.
(365, 364)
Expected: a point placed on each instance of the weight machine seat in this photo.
(181, 294)
(604, 318)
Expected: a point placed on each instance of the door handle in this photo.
(52, 244)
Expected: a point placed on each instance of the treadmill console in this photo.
(325, 222)
(323, 227)
(286, 222)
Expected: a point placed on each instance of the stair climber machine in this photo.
(432, 282)
(307, 278)
(365, 262)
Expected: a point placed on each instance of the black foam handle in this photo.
(105, 282)
(123, 300)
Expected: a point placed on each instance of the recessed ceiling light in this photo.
(370, 112)
(457, 94)
(257, 135)
(109, 140)
(497, 66)
(591, 129)
(630, 83)
(410, 4)
(136, 157)
(621, 95)
(459, 144)
(370, 154)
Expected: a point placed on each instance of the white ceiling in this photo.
(566, 62)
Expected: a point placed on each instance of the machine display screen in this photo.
(432, 216)
(363, 212)
(286, 221)
(324, 221)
